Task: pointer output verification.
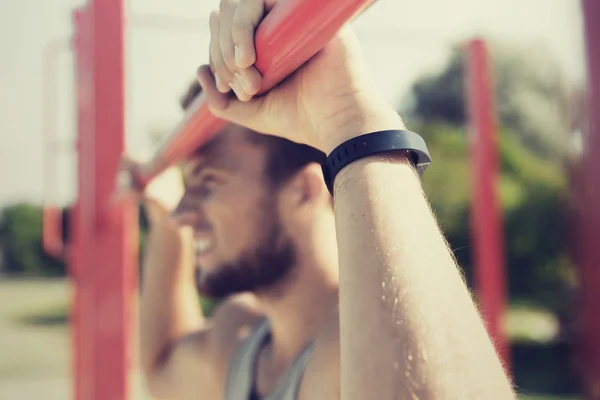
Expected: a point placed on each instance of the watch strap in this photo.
(376, 143)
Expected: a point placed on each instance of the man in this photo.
(258, 221)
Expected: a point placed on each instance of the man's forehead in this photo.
(226, 151)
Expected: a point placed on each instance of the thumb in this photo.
(228, 107)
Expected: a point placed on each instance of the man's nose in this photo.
(184, 218)
(187, 213)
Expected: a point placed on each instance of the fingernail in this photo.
(241, 95)
(236, 89)
(238, 57)
(220, 87)
(242, 82)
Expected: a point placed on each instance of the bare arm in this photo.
(170, 308)
(409, 328)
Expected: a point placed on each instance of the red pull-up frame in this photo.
(104, 241)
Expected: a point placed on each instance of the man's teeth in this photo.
(202, 245)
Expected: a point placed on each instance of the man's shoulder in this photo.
(200, 360)
(233, 320)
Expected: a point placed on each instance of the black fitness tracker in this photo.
(375, 143)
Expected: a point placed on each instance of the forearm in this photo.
(409, 328)
(169, 301)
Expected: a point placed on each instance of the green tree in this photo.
(531, 97)
(21, 242)
(533, 198)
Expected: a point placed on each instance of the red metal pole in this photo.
(588, 194)
(105, 261)
(486, 218)
(292, 33)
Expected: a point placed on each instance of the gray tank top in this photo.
(242, 369)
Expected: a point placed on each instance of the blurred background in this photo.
(415, 50)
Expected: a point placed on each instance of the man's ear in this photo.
(306, 186)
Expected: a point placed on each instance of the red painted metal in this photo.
(486, 219)
(103, 259)
(586, 195)
(290, 34)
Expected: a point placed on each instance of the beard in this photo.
(260, 269)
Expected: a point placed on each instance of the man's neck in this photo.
(296, 313)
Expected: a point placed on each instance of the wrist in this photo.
(368, 167)
(364, 114)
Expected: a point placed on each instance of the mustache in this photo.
(202, 226)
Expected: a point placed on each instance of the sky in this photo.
(167, 41)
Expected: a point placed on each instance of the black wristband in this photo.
(375, 143)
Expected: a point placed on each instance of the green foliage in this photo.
(533, 199)
(531, 98)
(20, 243)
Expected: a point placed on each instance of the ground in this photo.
(34, 342)
(35, 354)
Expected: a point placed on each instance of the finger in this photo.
(249, 79)
(246, 18)
(239, 92)
(215, 98)
(222, 74)
(246, 81)
(226, 12)
(245, 113)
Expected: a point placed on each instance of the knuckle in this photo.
(221, 69)
(227, 5)
(240, 29)
(214, 18)
(214, 15)
(216, 111)
(229, 58)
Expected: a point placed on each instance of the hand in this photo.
(160, 197)
(315, 106)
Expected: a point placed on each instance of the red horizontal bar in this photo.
(290, 34)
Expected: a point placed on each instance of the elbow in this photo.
(153, 367)
(151, 363)
(155, 380)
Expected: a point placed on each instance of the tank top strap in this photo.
(290, 385)
(240, 379)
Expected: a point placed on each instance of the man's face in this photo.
(240, 242)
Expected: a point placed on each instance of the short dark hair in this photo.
(193, 91)
(285, 158)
